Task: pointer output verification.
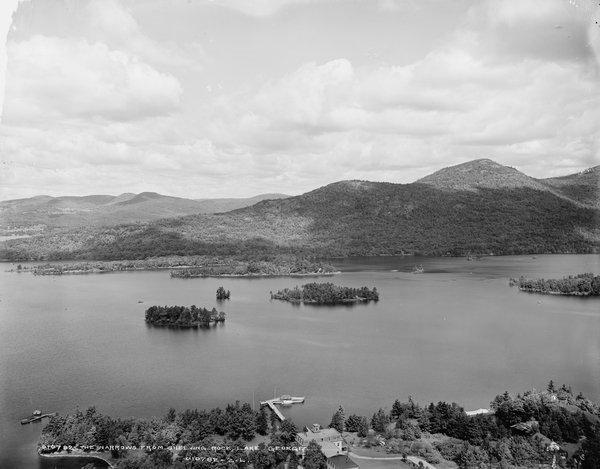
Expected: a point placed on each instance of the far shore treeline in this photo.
(235, 265)
(326, 294)
(518, 431)
(183, 316)
(586, 284)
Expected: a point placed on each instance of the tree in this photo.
(262, 424)
(338, 420)
(171, 414)
(262, 458)
(274, 421)
(379, 421)
(288, 432)
(313, 457)
(551, 388)
(363, 427)
(353, 422)
(591, 448)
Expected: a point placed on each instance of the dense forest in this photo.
(189, 439)
(182, 316)
(326, 294)
(577, 285)
(276, 265)
(517, 433)
(265, 264)
(509, 213)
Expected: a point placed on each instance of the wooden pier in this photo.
(35, 418)
(284, 401)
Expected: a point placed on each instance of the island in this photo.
(271, 265)
(223, 294)
(535, 428)
(586, 284)
(326, 294)
(183, 316)
(278, 266)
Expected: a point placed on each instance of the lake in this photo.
(457, 332)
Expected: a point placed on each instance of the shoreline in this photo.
(93, 455)
(557, 293)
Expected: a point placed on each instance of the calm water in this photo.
(456, 333)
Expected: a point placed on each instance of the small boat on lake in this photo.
(418, 269)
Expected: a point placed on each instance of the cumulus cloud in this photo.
(52, 78)
(100, 108)
(463, 100)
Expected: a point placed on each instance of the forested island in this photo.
(183, 316)
(194, 266)
(278, 266)
(326, 294)
(519, 431)
(223, 294)
(586, 284)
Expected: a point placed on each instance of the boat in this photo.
(418, 269)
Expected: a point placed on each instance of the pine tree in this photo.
(262, 424)
(314, 458)
(338, 420)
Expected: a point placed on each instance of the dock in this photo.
(35, 418)
(284, 401)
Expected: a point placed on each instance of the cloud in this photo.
(100, 109)
(465, 99)
(50, 77)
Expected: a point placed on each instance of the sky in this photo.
(232, 98)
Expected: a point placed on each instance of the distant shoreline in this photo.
(191, 267)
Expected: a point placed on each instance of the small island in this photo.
(586, 284)
(223, 294)
(326, 294)
(183, 316)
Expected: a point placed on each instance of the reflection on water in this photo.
(456, 332)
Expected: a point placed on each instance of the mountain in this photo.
(477, 207)
(581, 188)
(482, 173)
(584, 187)
(102, 210)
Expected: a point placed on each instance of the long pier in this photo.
(35, 418)
(284, 401)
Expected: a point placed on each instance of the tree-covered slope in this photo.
(43, 212)
(483, 208)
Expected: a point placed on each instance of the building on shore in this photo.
(332, 445)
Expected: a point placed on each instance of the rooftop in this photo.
(325, 433)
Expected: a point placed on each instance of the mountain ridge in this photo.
(478, 207)
(103, 209)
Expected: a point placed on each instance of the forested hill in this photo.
(478, 207)
(44, 212)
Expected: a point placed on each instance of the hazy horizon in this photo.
(231, 98)
(225, 196)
